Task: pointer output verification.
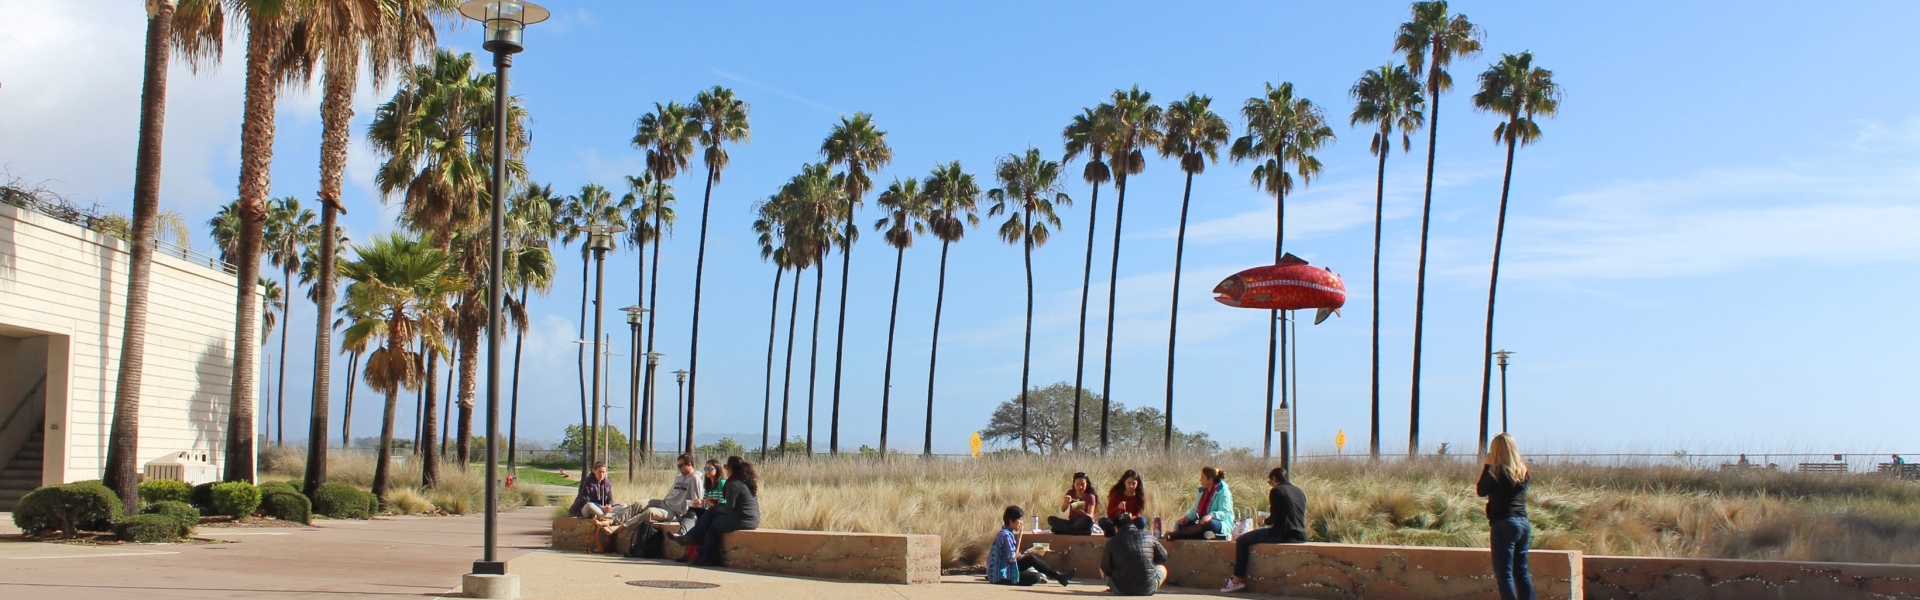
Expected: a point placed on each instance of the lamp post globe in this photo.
(506, 22)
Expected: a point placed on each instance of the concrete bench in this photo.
(1637, 578)
(1335, 571)
(1826, 468)
(869, 557)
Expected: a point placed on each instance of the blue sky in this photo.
(1711, 248)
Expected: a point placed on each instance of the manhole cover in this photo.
(673, 585)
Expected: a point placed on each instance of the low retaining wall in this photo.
(1336, 571)
(1644, 578)
(870, 557)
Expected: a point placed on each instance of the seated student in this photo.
(1007, 565)
(693, 523)
(687, 489)
(1211, 511)
(1134, 563)
(595, 497)
(1286, 524)
(739, 510)
(1079, 504)
(1129, 497)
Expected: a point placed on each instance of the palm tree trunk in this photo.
(346, 420)
(1420, 281)
(653, 319)
(1275, 351)
(470, 325)
(813, 359)
(256, 161)
(699, 274)
(1086, 283)
(933, 351)
(123, 439)
(1026, 347)
(840, 341)
(1493, 286)
(1173, 315)
(446, 396)
(635, 405)
(1113, 287)
(1379, 204)
(786, 393)
(381, 468)
(280, 393)
(513, 413)
(336, 113)
(886, 380)
(773, 333)
(429, 457)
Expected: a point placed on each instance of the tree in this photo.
(1049, 430)
(1282, 130)
(403, 287)
(1388, 97)
(1194, 133)
(1029, 189)
(1136, 123)
(860, 148)
(667, 136)
(289, 231)
(952, 198)
(1089, 133)
(1431, 38)
(905, 219)
(1515, 89)
(530, 264)
(722, 119)
(593, 206)
(813, 199)
(771, 229)
(577, 440)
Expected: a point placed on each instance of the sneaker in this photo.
(1233, 586)
(1067, 577)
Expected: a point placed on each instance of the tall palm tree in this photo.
(859, 148)
(272, 298)
(639, 200)
(814, 197)
(1088, 133)
(905, 219)
(354, 352)
(1195, 134)
(952, 201)
(771, 229)
(123, 438)
(1515, 89)
(387, 34)
(290, 230)
(403, 287)
(1030, 186)
(667, 135)
(1432, 38)
(1136, 124)
(1281, 129)
(722, 119)
(1388, 97)
(530, 225)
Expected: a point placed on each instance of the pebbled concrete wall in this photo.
(1643, 578)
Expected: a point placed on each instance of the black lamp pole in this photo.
(1502, 356)
(634, 313)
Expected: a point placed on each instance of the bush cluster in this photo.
(165, 490)
(202, 497)
(287, 506)
(186, 515)
(278, 486)
(237, 499)
(341, 501)
(69, 508)
(149, 529)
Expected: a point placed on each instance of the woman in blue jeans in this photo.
(1503, 482)
(739, 509)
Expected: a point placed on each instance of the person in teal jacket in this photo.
(1212, 510)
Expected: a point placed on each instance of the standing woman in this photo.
(1503, 482)
(1211, 511)
(739, 508)
(1127, 497)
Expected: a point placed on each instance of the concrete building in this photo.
(62, 306)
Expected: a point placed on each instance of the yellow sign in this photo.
(1340, 441)
(975, 444)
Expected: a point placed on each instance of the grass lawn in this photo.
(540, 477)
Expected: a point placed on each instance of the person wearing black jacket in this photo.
(739, 509)
(1286, 524)
(1503, 482)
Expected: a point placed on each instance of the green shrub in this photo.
(70, 508)
(278, 486)
(288, 506)
(185, 514)
(147, 528)
(165, 490)
(202, 497)
(341, 501)
(237, 499)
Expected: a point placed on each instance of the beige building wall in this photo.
(69, 284)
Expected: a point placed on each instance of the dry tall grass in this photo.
(457, 492)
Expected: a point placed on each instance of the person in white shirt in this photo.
(687, 489)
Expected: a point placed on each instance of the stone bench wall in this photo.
(869, 557)
(1644, 578)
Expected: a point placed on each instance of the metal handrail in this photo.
(23, 402)
(189, 255)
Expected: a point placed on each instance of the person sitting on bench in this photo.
(1007, 565)
(595, 498)
(1079, 504)
(1133, 563)
(1286, 524)
(1129, 497)
(686, 490)
(1211, 511)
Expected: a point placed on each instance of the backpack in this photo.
(648, 542)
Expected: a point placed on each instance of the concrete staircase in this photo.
(22, 474)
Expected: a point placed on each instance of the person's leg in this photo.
(1106, 526)
(698, 531)
(1059, 525)
(1140, 522)
(1082, 525)
(1243, 549)
(710, 546)
(1522, 577)
(1503, 537)
(1189, 531)
(1034, 562)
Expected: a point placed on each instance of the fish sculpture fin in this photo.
(1290, 259)
(1321, 315)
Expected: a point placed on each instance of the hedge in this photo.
(288, 506)
(202, 497)
(147, 528)
(278, 486)
(165, 490)
(337, 500)
(185, 514)
(69, 508)
(237, 499)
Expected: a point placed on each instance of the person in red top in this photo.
(1126, 497)
(1080, 505)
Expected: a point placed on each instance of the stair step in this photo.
(10, 472)
(14, 494)
(19, 484)
(28, 455)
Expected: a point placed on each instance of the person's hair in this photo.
(1278, 474)
(599, 464)
(738, 469)
(1012, 513)
(1078, 477)
(1124, 523)
(1216, 474)
(684, 459)
(712, 483)
(1120, 488)
(1504, 456)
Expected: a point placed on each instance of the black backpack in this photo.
(648, 542)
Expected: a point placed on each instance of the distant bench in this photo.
(1334, 570)
(1901, 470)
(869, 557)
(1837, 468)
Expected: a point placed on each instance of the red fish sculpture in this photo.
(1290, 285)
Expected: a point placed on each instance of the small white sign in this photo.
(1281, 422)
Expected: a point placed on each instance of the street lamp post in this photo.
(1501, 356)
(646, 423)
(506, 22)
(634, 314)
(599, 240)
(679, 413)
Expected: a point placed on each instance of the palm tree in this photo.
(1519, 91)
(722, 119)
(593, 206)
(123, 438)
(530, 225)
(1390, 98)
(1194, 133)
(1030, 184)
(771, 227)
(289, 231)
(1136, 125)
(856, 145)
(814, 197)
(387, 34)
(906, 218)
(1281, 129)
(272, 298)
(353, 368)
(1089, 132)
(639, 199)
(1433, 39)
(402, 287)
(667, 135)
(952, 198)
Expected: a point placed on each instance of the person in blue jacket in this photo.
(1007, 565)
(1212, 510)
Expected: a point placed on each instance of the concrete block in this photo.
(500, 587)
(873, 557)
(1650, 578)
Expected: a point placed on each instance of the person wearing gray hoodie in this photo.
(687, 489)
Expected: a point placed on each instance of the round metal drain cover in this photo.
(673, 585)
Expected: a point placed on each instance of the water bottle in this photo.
(1157, 534)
